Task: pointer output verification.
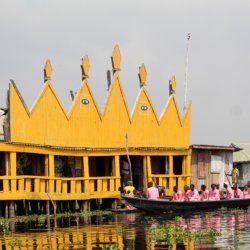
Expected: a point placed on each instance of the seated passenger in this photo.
(214, 194)
(248, 187)
(237, 192)
(152, 192)
(229, 191)
(194, 194)
(245, 192)
(221, 192)
(186, 193)
(204, 193)
(129, 188)
(178, 195)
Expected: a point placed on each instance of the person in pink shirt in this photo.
(245, 192)
(248, 187)
(194, 194)
(178, 195)
(152, 192)
(214, 194)
(237, 192)
(186, 193)
(229, 191)
(204, 193)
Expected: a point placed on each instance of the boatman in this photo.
(178, 195)
(235, 174)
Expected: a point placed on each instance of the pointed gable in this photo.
(85, 118)
(116, 118)
(171, 124)
(144, 124)
(48, 118)
(19, 115)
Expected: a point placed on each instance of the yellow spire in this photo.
(142, 75)
(173, 85)
(47, 71)
(85, 67)
(116, 59)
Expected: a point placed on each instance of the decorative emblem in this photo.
(85, 101)
(144, 108)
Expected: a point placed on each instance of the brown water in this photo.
(132, 231)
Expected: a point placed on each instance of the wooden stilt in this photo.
(6, 209)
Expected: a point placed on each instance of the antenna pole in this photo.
(186, 72)
(129, 162)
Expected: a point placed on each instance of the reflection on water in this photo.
(132, 231)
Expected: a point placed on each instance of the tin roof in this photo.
(231, 147)
(242, 155)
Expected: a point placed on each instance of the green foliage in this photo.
(111, 246)
(178, 218)
(15, 243)
(174, 235)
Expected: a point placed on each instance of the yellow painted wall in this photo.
(49, 124)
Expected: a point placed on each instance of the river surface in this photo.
(132, 231)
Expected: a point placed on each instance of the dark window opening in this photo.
(68, 166)
(101, 166)
(177, 165)
(159, 164)
(30, 164)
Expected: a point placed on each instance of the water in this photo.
(133, 231)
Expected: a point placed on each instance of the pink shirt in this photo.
(246, 194)
(178, 196)
(152, 193)
(194, 195)
(205, 195)
(230, 193)
(186, 195)
(214, 195)
(238, 193)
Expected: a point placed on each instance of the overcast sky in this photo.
(150, 32)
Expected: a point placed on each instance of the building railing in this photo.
(70, 188)
(169, 181)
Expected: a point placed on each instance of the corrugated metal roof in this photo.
(214, 147)
(244, 154)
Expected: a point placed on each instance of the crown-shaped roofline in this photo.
(48, 112)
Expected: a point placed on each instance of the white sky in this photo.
(150, 32)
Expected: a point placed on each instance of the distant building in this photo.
(209, 164)
(242, 160)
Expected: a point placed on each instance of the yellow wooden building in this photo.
(49, 153)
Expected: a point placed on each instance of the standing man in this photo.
(235, 174)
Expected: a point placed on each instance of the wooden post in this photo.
(117, 173)
(86, 173)
(6, 209)
(149, 168)
(188, 169)
(145, 173)
(172, 182)
(51, 173)
(7, 164)
(13, 171)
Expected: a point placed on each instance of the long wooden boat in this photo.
(167, 205)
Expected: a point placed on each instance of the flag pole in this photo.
(186, 72)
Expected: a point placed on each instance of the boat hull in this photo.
(167, 205)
